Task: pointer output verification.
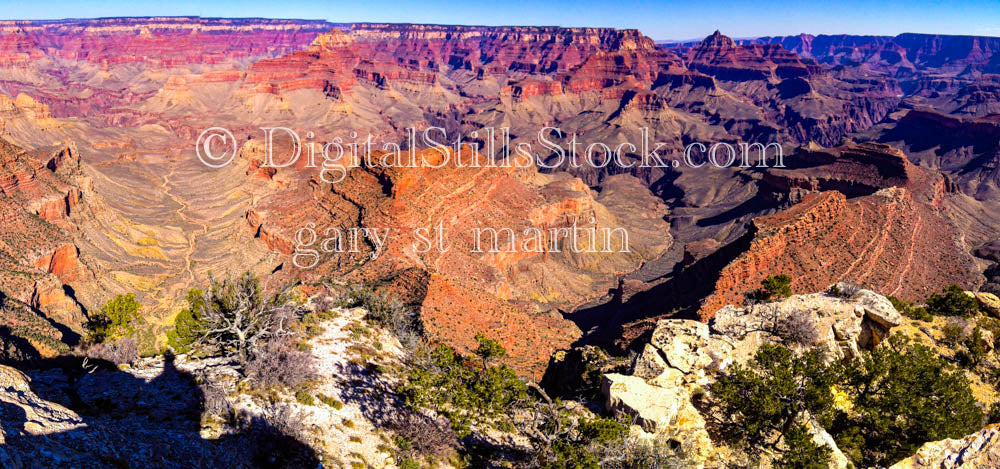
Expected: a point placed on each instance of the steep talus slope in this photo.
(894, 235)
(887, 241)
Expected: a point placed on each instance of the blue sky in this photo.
(657, 19)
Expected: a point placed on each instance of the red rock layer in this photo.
(719, 56)
(37, 257)
(854, 170)
(888, 242)
(464, 292)
(580, 59)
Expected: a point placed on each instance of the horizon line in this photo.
(336, 23)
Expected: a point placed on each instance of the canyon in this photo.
(890, 144)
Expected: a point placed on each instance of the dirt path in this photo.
(174, 292)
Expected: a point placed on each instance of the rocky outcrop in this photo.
(893, 241)
(683, 357)
(853, 170)
(989, 303)
(843, 325)
(24, 413)
(981, 449)
(657, 396)
(38, 258)
(720, 56)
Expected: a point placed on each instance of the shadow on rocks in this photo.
(379, 403)
(130, 422)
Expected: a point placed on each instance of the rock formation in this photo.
(977, 450)
(24, 413)
(119, 103)
(682, 358)
(868, 217)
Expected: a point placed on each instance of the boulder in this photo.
(681, 342)
(988, 303)
(683, 356)
(659, 411)
(26, 413)
(985, 339)
(978, 450)
(651, 407)
(651, 366)
(877, 308)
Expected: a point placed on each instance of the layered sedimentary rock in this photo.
(159, 41)
(965, 148)
(494, 244)
(719, 56)
(37, 192)
(888, 241)
(953, 53)
(954, 74)
(85, 67)
(132, 95)
(854, 170)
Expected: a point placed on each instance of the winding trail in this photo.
(909, 258)
(178, 285)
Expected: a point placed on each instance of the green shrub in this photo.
(236, 318)
(844, 290)
(305, 398)
(388, 312)
(407, 463)
(185, 333)
(602, 443)
(602, 430)
(772, 288)
(488, 350)
(952, 331)
(772, 393)
(975, 349)
(952, 301)
(801, 452)
(115, 320)
(993, 416)
(909, 310)
(903, 395)
(464, 392)
(330, 401)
